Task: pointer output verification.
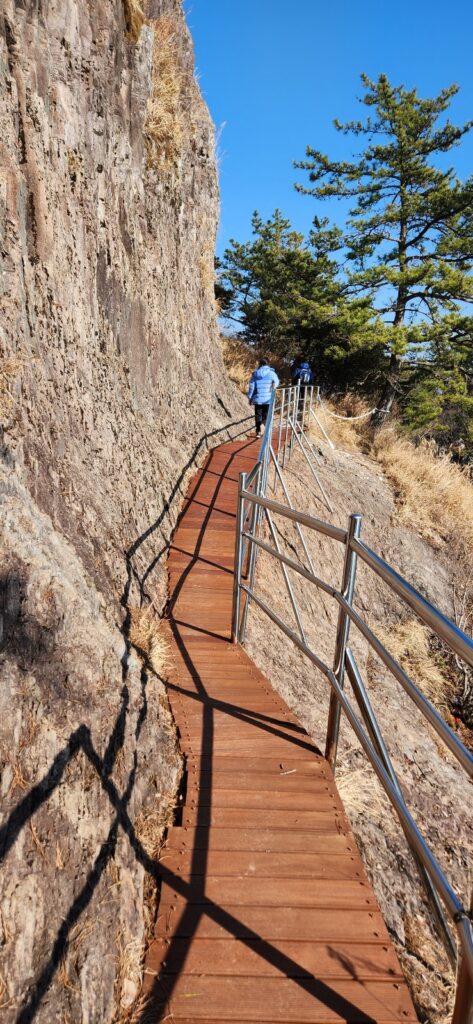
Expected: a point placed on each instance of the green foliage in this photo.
(285, 294)
(408, 239)
(384, 302)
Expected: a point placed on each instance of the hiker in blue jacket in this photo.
(263, 382)
(302, 373)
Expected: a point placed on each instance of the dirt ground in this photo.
(434, 785)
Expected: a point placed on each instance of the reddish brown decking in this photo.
(266, 913)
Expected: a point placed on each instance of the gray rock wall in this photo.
(110, 381)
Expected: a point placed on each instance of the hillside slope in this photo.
(435, 786)
(111, 387)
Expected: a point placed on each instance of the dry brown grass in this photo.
(5, 1001)
(409, 643)
(135, 18)
(207, 269)
(146, 636)
(128, 976)
(240, 361)
(346, 433)
(164, 120)
(362, 795)
(432, 494)
(433, 984)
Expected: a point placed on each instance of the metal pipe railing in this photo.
(343, 629)
(376, 737)
(446, 630)
(439, 892)
(430, 713)
(459, 916)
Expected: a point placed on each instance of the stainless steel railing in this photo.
(253, 505)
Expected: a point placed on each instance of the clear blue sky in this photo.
(275, 74)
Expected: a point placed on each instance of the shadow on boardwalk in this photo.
(81, 740)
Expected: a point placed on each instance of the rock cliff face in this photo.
(110, 383)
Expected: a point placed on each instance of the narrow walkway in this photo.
(266, 913)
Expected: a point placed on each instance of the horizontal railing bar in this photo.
(336, 532)
(420, 700)
(321, 584)
(377, 739)
(454, 637)
(455, 909)
(430, 713)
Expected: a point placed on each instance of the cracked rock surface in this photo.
(111, 389)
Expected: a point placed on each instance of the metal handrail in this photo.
(428, 710)
(436, 884)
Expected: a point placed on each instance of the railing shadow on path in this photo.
(201, 906)
(80, 740)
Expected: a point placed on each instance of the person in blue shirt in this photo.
(263, 382)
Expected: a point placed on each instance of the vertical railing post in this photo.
(281, 414)
(240, 525)
(253, 530)
(295, 412)
(286, 428)
(278, 450)
(343, 629)
(303, 409)
(463, 1007)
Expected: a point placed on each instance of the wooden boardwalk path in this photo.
(266, 913)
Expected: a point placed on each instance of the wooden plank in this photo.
(358, 961)
(270, 799)
(269, 892)
(310, 1000)
(263, 781)
(316, 924)
(261, 865)
(266, 840)
(256, 763)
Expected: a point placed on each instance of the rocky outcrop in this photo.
(111, 387)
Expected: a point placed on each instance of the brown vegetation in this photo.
(240, 361)
(146, 636)
(165, 121)
(433, 494)
(134, 18)
(411, 644)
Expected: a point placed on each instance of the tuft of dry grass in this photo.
(360, 792)
(409, 643)
(164, 119)
(150, 827)
(128, 975)
(240, 360)
(433, 984)
(135, 18)
(433, 494)
(346, 432)
(141, 1012)
(207, 269)
(146, 636)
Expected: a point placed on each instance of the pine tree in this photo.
(285, 294)
(408, 235)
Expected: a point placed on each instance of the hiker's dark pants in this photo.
(261, 415)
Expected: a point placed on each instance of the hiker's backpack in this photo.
(304, 375)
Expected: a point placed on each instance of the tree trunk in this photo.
(388, 394)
